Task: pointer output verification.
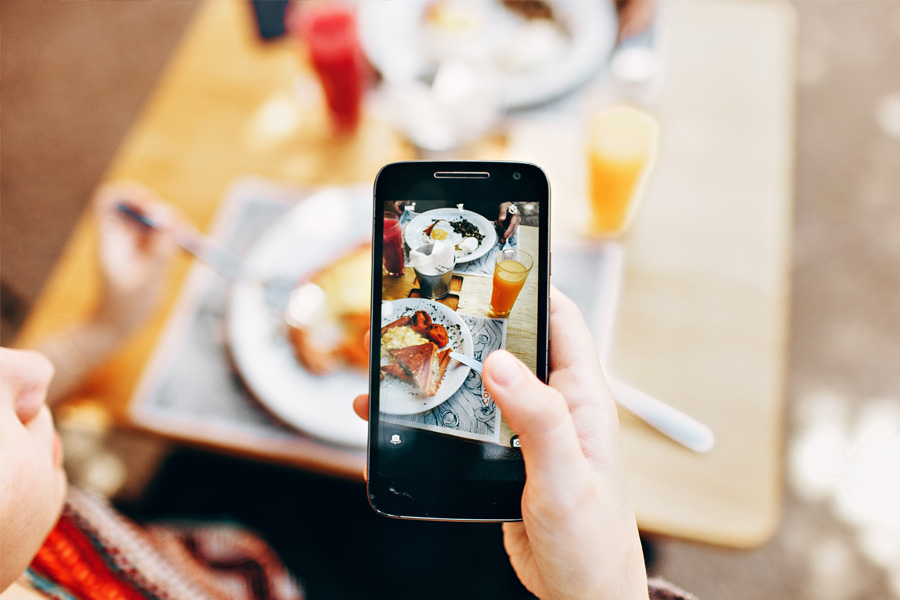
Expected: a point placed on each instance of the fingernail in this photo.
(506, 370)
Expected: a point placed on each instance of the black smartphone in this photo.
(461, 268)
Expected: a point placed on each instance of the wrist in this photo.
(75, 353)
(110, 322)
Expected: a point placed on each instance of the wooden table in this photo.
(702, 318)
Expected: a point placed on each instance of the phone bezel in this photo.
(496, 494)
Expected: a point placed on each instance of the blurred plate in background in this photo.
(533, 59)
(316, 231)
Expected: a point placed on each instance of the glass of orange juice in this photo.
(621, 151)
(510, 272)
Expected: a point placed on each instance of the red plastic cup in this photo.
(330, 34)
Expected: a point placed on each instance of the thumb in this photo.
(539, 415)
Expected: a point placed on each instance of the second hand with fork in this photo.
(221, 259)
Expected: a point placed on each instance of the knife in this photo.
(467, 360)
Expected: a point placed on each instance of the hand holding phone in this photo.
(578, 538)
(449, 288)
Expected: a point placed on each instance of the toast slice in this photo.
(397, 371)
(424, 365)
(331, 337)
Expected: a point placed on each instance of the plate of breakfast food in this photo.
(417, 337)
(536, 50)
(471, 234)
(296, 324)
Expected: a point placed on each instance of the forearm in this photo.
(76, 352)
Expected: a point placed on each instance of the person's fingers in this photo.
(361, 406)
(539, 415)
(137, 197)
(511, 229)
(124, 229)
(361, 402)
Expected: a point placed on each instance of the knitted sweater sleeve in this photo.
(663, 590)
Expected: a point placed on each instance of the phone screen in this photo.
(461, 270)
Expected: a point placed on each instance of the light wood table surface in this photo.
(703, 309)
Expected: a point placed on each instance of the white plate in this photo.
(403, 398)
(390, 35)
(318, 229)
(415, 230)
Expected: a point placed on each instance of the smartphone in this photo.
(452, 283)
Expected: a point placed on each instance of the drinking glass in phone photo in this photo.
(510, 272)
(393, 245)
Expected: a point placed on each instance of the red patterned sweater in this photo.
(95, 553)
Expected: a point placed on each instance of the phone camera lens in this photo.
(517, 176)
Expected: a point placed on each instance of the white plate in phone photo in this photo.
(442, 219)
(398, 397)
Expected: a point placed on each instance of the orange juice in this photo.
(510, 273)
(621, 149)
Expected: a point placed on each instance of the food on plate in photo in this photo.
(463, 234)
(411, 331)
(412, 345)
(328, 314)
(398, 337)
(424, 365)
(439, 230)
(466, 228)
(467, 246)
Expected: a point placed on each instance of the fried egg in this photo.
(442, 230)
